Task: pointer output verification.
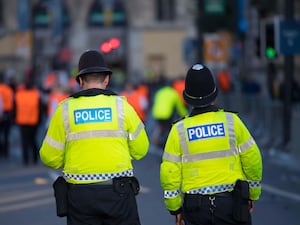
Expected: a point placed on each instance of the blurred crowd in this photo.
(29, 106)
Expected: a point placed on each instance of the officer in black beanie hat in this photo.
(209, 159)
(93, 136)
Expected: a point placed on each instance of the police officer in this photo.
(212, 168)
(93, 135)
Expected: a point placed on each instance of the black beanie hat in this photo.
(91, 61)
(200, 88)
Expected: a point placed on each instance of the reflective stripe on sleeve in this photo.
(245, 146)
(134, 135)
(171, 157)
(171, 194)
(55, 144)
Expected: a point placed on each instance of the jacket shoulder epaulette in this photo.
(176, 121)
(230, 111)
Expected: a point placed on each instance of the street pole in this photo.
(289, 70)
(199, 22)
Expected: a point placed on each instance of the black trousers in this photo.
(214, 210)
(96, 204)
(5, 125)
(29, 143)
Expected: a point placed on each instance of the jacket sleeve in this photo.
(170, 173)
(53, 147)
(138, 141)
(251, 159)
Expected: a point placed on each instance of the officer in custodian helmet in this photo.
(211, 168)
(93, 136)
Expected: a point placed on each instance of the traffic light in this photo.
(111, 44)
(268, 44)
(40, 15)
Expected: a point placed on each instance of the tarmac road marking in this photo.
(24, 205)
(20, 171)
(26, 195)
(282, 193)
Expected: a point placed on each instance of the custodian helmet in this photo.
(200, 87)
(91, 61)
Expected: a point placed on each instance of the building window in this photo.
(165, 10)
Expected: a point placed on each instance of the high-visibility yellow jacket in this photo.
(207, 153)
(93, 135)
(166, 102)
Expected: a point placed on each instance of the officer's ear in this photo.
(106, 79)
(80, 81)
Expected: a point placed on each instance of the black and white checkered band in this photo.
(98, 177)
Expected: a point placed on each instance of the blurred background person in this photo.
(57, 94)
(27, 117)
(7, 96)
(136, 96)
(167, 106)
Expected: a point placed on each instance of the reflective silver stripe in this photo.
(207, 155)
(171, 157)
(231, 133)
(134, 135)
(120, 110)
(212, 189)
(65, 115)
(55, 144)
(171, 194)
(182, 138)
(97, 134)
(248, 144)
(187, 157)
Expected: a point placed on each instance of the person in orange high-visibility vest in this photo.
(28, 112)
(137, 99)
(178, 86)
(7, 95)
(57, 94)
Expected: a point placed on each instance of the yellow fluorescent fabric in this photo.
(215, 162)
(167, 101)
(94, 147)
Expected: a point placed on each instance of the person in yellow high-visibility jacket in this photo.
(167, 105)
(207, 155)
(94, 135)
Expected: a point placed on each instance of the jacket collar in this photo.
(197, 111)
(92, 92)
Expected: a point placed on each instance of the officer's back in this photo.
(93, 135)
